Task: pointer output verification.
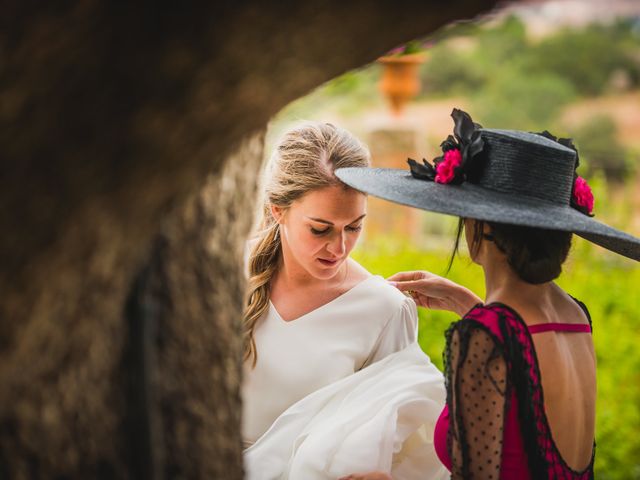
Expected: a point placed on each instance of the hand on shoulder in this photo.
(367, 476)
(435, 292)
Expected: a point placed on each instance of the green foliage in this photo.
(349, 83)
(346, 94)
(505, 42)
(608, 284)
(587, 58)
(521, 101)
(599, 147)
(414, 46)
(467, 62)
(516, 82)
(450, 72)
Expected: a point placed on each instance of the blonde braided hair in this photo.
(303, 160)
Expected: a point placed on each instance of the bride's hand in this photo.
(367, 476)
(435, 292)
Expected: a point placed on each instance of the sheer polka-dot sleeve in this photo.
(476, 390)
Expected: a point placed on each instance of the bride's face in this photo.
(320, 229)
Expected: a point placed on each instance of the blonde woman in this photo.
(334, 381)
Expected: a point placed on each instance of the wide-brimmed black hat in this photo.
(502, 176)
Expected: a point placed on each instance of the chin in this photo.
(326, 273)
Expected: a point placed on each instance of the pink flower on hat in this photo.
(582, 195)
(445, 171)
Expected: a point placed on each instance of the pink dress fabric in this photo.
(514, 461)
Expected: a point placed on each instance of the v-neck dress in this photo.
(337, 339)
(342, 388)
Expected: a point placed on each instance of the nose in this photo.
(336, 245)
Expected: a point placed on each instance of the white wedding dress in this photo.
(343, 389)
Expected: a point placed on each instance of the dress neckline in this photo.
(330, 302)
(536, 365)
(549, 326)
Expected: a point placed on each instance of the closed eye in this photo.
(320, 232)
(348, 228)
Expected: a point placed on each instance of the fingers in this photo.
(406, 276)
(434, 296)
(422, 291)
(415, 285)
(435, 292)
(420, 299)
(367, 476)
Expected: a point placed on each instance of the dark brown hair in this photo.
(536, 255)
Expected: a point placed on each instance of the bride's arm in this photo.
(435, 292)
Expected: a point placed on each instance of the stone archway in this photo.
(120, 289)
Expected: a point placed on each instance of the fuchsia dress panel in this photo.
(528, 450)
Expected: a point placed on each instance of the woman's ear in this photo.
(277, 213)
(474, 235)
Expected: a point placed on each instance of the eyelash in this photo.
(319, 233)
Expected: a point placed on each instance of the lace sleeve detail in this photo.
(476, 392)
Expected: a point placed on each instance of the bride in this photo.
(335, 384)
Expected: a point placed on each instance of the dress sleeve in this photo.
(400, 331)
(476, 375)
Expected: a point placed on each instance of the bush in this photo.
(587, 58)
(599, 147)
(450, 72)
(467, 63)
(469, 60)
(505, 42)
(516, 100)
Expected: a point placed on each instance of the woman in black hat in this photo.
(520, 369)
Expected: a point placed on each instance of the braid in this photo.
(263, 264)
(304, 160)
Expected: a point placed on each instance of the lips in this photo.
(328, 263)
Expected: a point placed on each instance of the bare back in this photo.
(568, 371)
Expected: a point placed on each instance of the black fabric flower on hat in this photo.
(455, 165)
(581, 194)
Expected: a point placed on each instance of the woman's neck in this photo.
(292, 276)
(503, 285)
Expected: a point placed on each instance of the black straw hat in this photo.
(502, 176)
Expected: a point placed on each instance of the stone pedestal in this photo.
(390, 148)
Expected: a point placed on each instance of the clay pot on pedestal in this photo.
(400, 81)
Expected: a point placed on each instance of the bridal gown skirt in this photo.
(381, 418)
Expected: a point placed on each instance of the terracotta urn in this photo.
(400, 80)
